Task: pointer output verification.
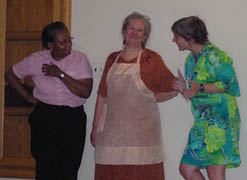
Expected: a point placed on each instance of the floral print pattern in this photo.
(214, 137)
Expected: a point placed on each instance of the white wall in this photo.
(96, 26)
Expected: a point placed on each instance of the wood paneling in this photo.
(28, 15)
(23, 36)
(16, 137)
(17, 161)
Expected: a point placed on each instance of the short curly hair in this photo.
(191, 27)
(49, 32)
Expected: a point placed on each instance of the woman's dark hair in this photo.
(146, 21)
(191, 27)
(50, 31)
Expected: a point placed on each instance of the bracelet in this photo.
(202, 88)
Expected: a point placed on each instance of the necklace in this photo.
(129, 55)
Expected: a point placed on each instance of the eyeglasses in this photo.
(63, 43)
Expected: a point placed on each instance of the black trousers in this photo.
(57, 140)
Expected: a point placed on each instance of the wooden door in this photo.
(23, 21)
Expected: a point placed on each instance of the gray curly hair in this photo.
(146, 22)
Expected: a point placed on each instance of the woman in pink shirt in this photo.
(63, 81)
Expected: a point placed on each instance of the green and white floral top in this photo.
(214, 137)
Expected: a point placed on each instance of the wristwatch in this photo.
(202, 88)
(61, 76)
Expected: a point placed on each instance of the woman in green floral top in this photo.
(214, 138)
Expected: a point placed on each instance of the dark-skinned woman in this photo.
(63, 82)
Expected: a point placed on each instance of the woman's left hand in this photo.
(192, 91)
(51, 70)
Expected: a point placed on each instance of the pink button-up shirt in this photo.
(51, 90)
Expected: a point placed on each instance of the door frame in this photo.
(2, 65)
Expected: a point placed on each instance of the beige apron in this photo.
(129, 131)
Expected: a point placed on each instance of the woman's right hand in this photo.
(97, 116)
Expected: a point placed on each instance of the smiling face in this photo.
(62, 45)
(134, 33)
(181, 42)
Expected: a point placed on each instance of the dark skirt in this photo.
(129, 172)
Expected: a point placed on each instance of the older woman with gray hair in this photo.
(126, 129)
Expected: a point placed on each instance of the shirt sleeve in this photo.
(162, 76)
(24, 67)
(84, 69)
(102, 90)
(226, 79)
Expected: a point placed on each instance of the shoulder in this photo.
(216, 55)
(112, 57)
(78, 58)
(78, 54)
(41, 54)
(150, 56)
(38, 56)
